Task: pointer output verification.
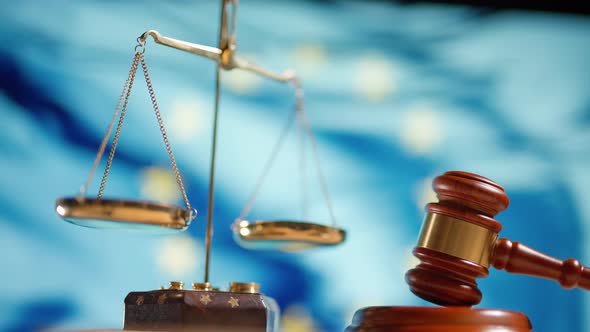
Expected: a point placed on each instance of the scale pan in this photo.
(145, 216)
(285, 235)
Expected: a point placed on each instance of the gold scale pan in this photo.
(159, 217)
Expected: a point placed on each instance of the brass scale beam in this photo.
(226, 59)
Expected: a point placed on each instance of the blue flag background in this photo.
(396, 95)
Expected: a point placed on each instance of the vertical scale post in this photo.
(223, 45)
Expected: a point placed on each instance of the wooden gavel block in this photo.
(429, 319)
(459, 241)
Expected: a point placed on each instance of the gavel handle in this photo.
(515, 257)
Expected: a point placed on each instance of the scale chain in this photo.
(139, 51)
(299, 106)
(163, 131)
(106, 137)
(270, 161)
(107, 169)
(321, 176)
(302, 166)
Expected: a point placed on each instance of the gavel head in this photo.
(457, 239)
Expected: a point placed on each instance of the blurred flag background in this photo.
(396, 94)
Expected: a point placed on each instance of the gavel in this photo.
(459, 241)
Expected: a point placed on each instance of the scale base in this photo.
(202, 308)
(437, 319)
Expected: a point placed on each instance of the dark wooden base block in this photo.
(186, 310)
(435, 319)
